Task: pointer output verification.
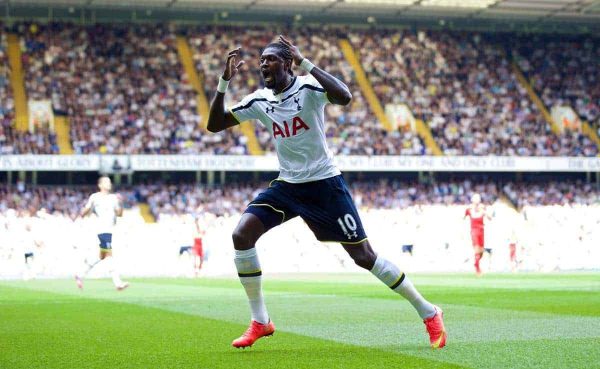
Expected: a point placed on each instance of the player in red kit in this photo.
(512, 252)
(477, 212)
(197, 249)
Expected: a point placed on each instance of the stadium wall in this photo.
(128, 163)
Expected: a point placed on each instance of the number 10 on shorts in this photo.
(348, 225)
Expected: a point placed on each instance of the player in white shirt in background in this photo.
(107, 207)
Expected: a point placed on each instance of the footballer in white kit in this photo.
(309, 185)
(106, 207)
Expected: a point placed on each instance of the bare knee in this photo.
(242, 239)
(247, 232)
(365, 261)
(363, 255)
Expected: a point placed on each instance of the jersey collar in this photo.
(286, 91)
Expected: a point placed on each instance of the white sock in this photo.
(110, 266)
(248, 267)
(389, 274)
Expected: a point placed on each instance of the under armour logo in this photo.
(350, 235)
(272, 108)
(297, 101)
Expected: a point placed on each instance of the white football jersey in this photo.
(295, 119)
(104, 206)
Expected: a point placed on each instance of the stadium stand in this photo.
(462, 85)
(564, 72)
(12, 140)
(127, 83)
(121, 82)
(352, 130)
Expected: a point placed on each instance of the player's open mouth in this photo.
(267, 76)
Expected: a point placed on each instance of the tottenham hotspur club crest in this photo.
(297, 101)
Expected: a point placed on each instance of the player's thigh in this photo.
(105, 253)
(268, 210)
(477, 240)
(331, 213)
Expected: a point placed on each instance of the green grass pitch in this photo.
(323, 321)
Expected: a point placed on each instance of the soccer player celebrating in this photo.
(309, 184)
(477, 212)
(107, 207)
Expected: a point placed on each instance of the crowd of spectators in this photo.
(351, 130)
(13, 141)
(54, 200)
(552, 193)
(60, 200)
(125, 91)
(385, 194)
(193, 199)
(6, 100)
(233, 198)
(122, 87)
(564, 72)
(462, 86)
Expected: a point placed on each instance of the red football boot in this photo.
(254, 332)
(436, 330)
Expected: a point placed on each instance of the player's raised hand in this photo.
(293, 49)
(232, 66)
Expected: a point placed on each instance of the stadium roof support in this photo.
(562, 16)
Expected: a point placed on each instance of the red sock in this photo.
(477, 259)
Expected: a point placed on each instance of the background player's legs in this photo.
(29, 272)
(513, 256)
(477, 239)
(387, 272)
(109, 261)
(198, 260)
(245, 235)
(478, 256)
(87, 268)
(105, 258)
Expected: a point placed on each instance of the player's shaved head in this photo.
(104, 183)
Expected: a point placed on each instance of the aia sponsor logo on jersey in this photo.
(286, 130)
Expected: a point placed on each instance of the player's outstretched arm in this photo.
(218, 118)
(337, 91)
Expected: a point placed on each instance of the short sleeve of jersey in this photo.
(90, 203)
(467, 212)
(317, 92)
(245, 109)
